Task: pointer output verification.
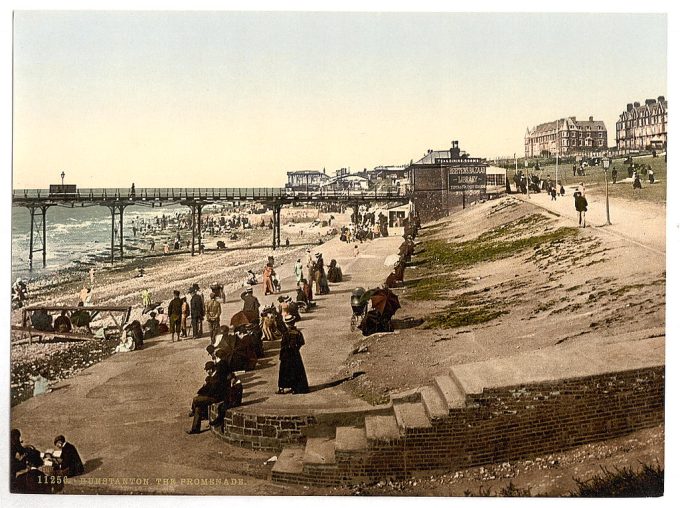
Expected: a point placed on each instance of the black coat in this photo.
(291, 369)
(175, 307)
(70, 464)
(197, 310)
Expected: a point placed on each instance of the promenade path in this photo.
(128, 414)
(641, 222)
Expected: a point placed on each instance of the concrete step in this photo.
(382, 428)
(319, 451)
(451, 393)
(289, 462)
(411, 415)
(435, 406)
(350, 439)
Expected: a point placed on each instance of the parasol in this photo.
(385, 302)
(240, 318)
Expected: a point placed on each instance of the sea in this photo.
(80, 237)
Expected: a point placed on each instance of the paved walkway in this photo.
(127, 414)
(638, 221)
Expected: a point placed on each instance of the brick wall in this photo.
(261, 432)
(502, 424)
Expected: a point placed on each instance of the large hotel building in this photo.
(643, 127)
(565, 136)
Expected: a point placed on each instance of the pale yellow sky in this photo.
(237, 99)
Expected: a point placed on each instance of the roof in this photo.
(435, 154)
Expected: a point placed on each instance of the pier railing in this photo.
(180, 194)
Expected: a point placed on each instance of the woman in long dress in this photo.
(292, 373)
(267, 281)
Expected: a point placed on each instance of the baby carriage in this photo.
(358, 307)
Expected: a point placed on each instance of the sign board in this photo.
(465, 179)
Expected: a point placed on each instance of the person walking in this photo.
(292, 373)
(213, 312)
(581, 205)
(297, 270)
(186, 310)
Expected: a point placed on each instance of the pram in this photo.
(358, 307)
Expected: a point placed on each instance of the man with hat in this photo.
(175, 313)
(197, 312)
(292, 373)
(212, 392)
(213, 312)
(251, 305)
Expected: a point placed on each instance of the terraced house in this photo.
(564, 137)
(643, 127)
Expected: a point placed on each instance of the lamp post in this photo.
(605, 166)
(62, 181)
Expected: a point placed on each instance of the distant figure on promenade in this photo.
(152, 245)
(292, 373)
(251, 278)
(287, 242)
(175, 311)
(197, 313)
(356, 250)
(267, 282)
(298, 271)
(186, 309)
(650, 175)
(85, 295)
(166, 248)
(637, 184)
(562, 190)
(581, 205)
(615, 174)
(213, 312)
(146, 300)
(553, 194)
(132, 191)
(69, 463)
(63, 324)
(334, 272)
(251, 305)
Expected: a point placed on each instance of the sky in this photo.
(200, 99)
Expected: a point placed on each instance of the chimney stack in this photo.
(590, 118)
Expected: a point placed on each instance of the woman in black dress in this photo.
(291, 369)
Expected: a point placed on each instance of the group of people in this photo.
(29, 467)
(76, 321)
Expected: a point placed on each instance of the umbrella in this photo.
(385, 302)
(240, 318)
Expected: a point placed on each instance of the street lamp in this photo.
(62, 180)
(605, 166)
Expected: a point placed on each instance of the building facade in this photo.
(443, 180)
(643, 127)
(306, 180)
(566, 136)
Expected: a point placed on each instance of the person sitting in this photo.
(41, 320)
(334, 272)
(211, 392)
(69, 463)
(81, 319)
(162, 321)
(134, 332)
(151, 327)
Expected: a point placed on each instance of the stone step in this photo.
(435, 405)
(382, 428)
(350, 439)
(289, 461)
(319, 451)
(451, 393)
(411, 415)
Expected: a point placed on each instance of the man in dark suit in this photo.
(212, 392)
(69, 463)
(251, 305)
